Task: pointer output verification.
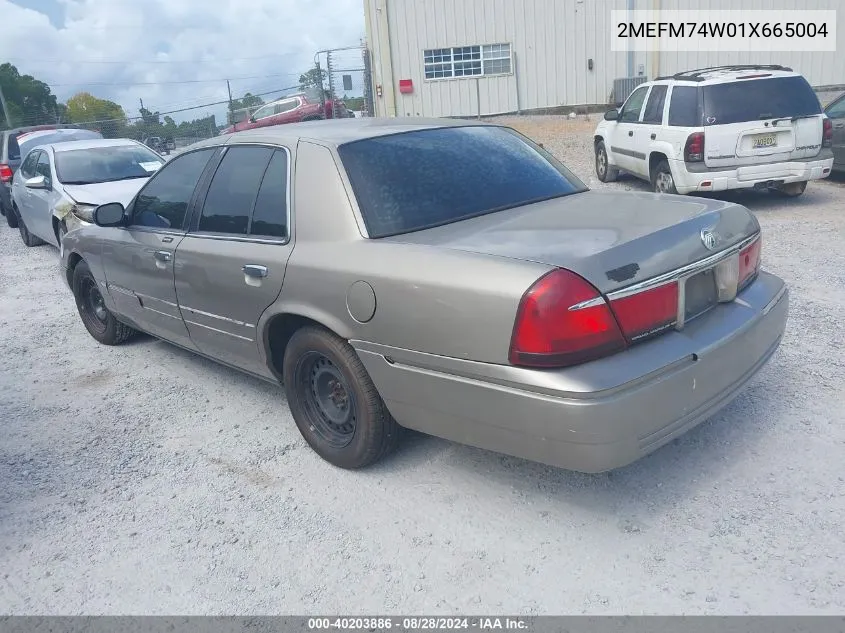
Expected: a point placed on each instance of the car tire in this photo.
(793, 189)
(12, 218)
(28, 238)
(662, 180)
(334, 402)
(604, 170)
(96, 317)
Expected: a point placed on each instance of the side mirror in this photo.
(111, 214)
(611, 115)
(36, 182)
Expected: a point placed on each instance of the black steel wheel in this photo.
(96, 317)
(334, 402)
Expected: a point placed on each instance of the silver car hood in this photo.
(121, 191)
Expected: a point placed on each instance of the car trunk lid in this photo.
(759, 121)
(612, 239)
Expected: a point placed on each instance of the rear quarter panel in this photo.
(427, 299)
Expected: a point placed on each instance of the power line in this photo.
(139, 61)
(167, 83)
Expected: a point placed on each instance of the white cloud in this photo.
(268, 43)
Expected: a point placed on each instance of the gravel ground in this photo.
(145, 480)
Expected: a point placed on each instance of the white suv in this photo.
(720, 128)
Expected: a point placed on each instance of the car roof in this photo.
(724, 74)
(92, 143)
(334, 131)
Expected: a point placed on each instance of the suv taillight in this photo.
(749, 262)
(563, 320)
(694, 149)
(5, 173)
(827, 132)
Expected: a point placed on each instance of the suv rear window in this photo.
(14, 149)
(757, 99)
(416, 180)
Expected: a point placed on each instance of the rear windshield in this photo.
(416, 180)
(758, 99)
(105, 164)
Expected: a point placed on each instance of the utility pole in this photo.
(142, 103)
(229, 88)
(5, 109)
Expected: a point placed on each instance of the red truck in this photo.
(291, 109)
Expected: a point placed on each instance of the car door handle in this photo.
(162, 256)
(839, 125)
(630, 132)
(653, 136)
(254, 270)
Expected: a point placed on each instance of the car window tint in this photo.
(233, 190)
(164, 201)
(42, 167)
(654, 106)
(837, 110)
(269, 219)
(631, 109)
(28, 167)
(413, 180)
(683, 107)
(14, 148)
(753, 100)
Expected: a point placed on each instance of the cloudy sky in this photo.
(173, 53)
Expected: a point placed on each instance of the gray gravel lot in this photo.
(145, 480)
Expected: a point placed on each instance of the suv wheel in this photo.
(334, 402)
(662, 180)
(604, 170)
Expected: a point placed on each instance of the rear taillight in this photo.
(694, 148)
(749, 262)
(647, 312)
(827, 132)
(5, 173)
(563, 320)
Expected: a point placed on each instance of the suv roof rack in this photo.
(697, 75)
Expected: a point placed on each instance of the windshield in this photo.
(105, 164)
(742, 101)
(416, 180)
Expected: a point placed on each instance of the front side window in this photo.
(42, 168)
(467, 61)
(837, 110)
(105, 164)
(415, 180)
(683, 107)
(163, 202)
(233, 190)
(631, 110)
(28, 167)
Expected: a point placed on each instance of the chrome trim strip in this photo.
(775, 301)
(589, 303)
(680, 317)
(685, 271)
(121, 290)
(214, 329)
(238, 238)
(143, 296)
(162, 313)
(217, 316)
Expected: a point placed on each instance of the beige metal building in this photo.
(485, 57)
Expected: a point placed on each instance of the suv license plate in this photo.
(768, 140)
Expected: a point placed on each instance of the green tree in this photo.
(247, 101)
(29, 100)
(105, 115)
(314, 78)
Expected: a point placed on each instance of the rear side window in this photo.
(233, 190)
(269, 218)
(14, 148)
(683, 107)
(415, 180)
(654, 106)
(757, 99)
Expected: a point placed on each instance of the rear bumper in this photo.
(687, 181)
(595, 417)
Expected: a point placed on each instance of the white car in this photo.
(58, 185)
(728, 127)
